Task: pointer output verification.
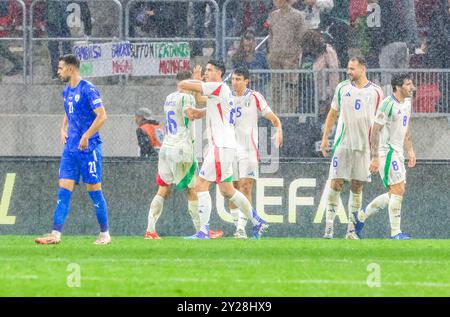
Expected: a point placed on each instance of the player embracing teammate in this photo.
(218, 161)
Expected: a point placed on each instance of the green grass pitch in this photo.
(132, 266)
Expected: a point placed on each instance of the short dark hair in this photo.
(70, 59)
(186, 74)
(242, 71)
(218, 64)
(361, 60)
(249, 34)
(398, 80)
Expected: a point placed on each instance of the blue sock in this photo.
(62, 208)
(100, 208)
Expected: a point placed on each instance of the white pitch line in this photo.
(247, 261)
(208, 280)
(21, 277)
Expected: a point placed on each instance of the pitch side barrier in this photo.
(98, 36)
(290, 197)
(432, 94)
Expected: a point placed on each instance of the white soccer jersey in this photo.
(357, 108)
(179, 129)
(394, 116)
(220, 115)
(246, 127)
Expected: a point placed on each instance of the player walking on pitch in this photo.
(390, 134)
(217, 163)
(355, 103)
(176, 164)
(249, 104)
(82, 155)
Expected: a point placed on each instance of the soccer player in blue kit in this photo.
(82, 155)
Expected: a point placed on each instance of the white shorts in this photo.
(392, 168)
(246, 165)
(350, 164)
(176, 166)
(218, 165)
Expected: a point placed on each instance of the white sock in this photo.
(242, 221)
(156, 208)
(332, 205)
(204, 210)
(354, 206)
(56, 234)
(244, 205)
(193, 211)
(235, 215)
(375, 206)
(395, 207)
(105, 234)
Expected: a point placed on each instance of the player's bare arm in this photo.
(375, 142)
(197, 75)
(64, 126)
(194, 114)
(192, 85)
(410, 149)
(276, 122)
(96, 126)
(329, 123)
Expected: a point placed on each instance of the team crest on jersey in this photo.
(77, 98)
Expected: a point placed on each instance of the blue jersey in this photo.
(79, 104)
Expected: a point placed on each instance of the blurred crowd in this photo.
(389, 33)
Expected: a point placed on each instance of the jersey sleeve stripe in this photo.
(220, 111)
(391, 108)
(254, 146)
(217, 91)
(378, 100)
(385, 104)
(258, 105)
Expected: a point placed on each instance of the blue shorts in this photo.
(82, 163)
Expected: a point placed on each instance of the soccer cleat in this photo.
(198, 236)
(215, 234)
(401, 236)
(151, 236)
(359, 225)
(49, 238)
(240, 234)
(328, 236)
(259, 229)
(103, 239)
(351, 236)
(256, 216)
